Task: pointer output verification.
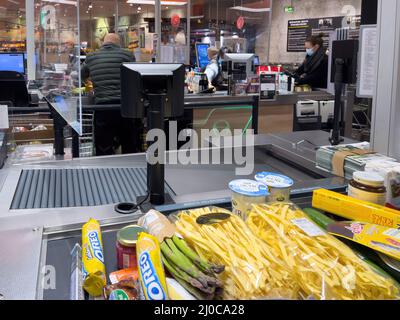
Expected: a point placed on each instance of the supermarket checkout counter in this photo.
(246, 111)
(44, 205)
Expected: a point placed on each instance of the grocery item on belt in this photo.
(322, 265)
(157, 225)
(368, 186)
(94, 271)
(381, 239)
(151, 270)
(131, 274)
(196, 275)
(390, 171)
(278, 185)
(245, 193)
(178, 292)
(353, 209)
(251, 269)
(123, 290)
(126, 246)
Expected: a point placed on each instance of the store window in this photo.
(59, 58)
(12, 26)
(174, 28)
(136, 27)
(242, 26)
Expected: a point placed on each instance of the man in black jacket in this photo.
(103, 67)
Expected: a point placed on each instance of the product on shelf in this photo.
(353, 209)
(251, 269)
(151, 271)
(94, 270)
(320, 264)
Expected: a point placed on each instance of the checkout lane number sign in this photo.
(267, 86)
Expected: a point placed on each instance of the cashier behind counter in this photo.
(314, 70)
(213, 69)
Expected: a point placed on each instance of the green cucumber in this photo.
(319, 218)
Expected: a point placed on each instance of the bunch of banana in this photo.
(196, 275)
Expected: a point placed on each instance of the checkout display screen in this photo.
(12, 62)
(202, 56)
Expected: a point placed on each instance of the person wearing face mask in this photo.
(314, 70)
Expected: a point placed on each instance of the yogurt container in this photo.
(245, 193)
(279, 186)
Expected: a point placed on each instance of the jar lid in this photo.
(128, 236)
(274, 180)
(371, 179)
(249, 188)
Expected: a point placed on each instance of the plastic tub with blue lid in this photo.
(245, 193)
(279, 186)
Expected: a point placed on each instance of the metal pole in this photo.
(158, 28)
(30, 39)
(188, 30)
(268, 56)
(386, 105)
(116, 17)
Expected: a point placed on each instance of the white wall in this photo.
(303, 9)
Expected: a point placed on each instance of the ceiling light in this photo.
(74, 3)
(152, 2)
(240, 8)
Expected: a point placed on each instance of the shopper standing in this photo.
(103, 67)
(314, 70)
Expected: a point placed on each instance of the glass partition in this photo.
(12, 26)
(241, 26)
(174, 32)
(58, 57)
(136, 26)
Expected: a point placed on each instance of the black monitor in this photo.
(12, 62)
(13, 88)
(156, 91)
(140, 79)
(202, 55)
(346, 50)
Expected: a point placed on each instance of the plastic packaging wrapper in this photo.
(322, 265)
(252, 271)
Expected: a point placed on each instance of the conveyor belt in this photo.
(64, 188)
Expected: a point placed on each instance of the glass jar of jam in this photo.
(126, 246)
(368, 186)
